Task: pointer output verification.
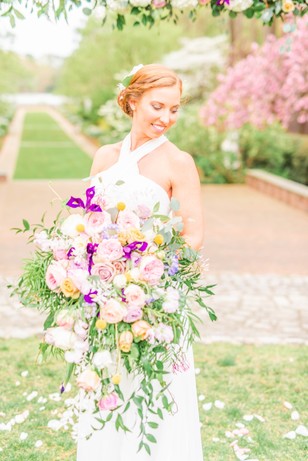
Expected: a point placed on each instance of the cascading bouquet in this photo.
(118, 286)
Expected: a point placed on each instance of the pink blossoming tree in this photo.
(271, 84)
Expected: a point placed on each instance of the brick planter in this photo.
(290, 192)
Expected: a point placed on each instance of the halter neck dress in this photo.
(178, 435)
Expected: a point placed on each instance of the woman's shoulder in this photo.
(177, 157)
(105, 156)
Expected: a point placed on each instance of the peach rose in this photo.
(113, 311)
(151, 269)
(69, 289)
(126, 340)
(108, 402)
(55, 274)
(140, 329)
(105, 271)
(119, 266)
(88, 380)
(127, 219)
(95, 222)
(109, 250)
(134, 295)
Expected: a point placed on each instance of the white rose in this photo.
(135, 273)
(119, 281)
(61, 338)
(142, 3)
(102, 359)
(184, 3)
(73, 356)
(73, 225)
(116, 5)
(239, 5)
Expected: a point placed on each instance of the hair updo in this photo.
(146, 78)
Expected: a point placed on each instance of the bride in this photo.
(152, 170)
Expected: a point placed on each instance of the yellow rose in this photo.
(287, 6)
(122, 237)
(69, 289)
(88, 380)
(125, 341)
(135, 235)
(140, 329)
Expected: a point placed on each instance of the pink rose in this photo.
(134, 295)
(109, 402)
(127, 219)
(119, 266)
(65, 319)
(79, 277)
(143, 211)
(55, 274)
(60, 254)
(88, 380)
(113, 311)
(109, 250)
(95, 222)
(151, 269)
(133, 314)
(159, 3)
(105, 271)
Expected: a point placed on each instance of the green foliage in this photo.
(89, 73)
(47, 152)
(6, 115)
(275, 150)
(14, 75)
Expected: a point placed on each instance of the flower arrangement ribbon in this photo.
(128, 249)
(76, 202)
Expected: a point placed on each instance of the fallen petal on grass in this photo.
(32, 396)
(260, 418)
(302, 430)
(201, 397)
(290, 435)
(38, 444)
(24, 374)
(219, 404)
(17, 383)
(288, 405)
(197, 371)
(216, 439)
(23, 436)
(295, 415)
(248, 417)
(207, 406)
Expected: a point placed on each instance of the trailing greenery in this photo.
(47, 152)
(248, 379)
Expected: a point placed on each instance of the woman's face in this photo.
(156, 110)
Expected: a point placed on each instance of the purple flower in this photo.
(76, 202)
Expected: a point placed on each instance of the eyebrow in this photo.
(162, 104)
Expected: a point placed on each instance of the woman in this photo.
(151, 170)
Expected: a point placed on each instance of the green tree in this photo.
(14, 76)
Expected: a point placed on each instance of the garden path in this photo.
(257, 246)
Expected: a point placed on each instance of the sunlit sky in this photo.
(40, 36)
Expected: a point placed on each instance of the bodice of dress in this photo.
(122, 182)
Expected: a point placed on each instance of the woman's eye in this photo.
(156, 107)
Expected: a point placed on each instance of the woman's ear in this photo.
(132, 103)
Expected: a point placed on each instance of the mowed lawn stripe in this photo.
(46, 152)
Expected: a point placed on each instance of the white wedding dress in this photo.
(178, 435)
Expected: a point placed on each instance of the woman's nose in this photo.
(165, 117)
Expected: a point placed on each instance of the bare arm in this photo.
(102, 159)
(186, 189)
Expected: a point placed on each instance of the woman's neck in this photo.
(137, 139)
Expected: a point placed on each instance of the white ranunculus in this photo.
(72, 225)
(61, 338)
(119, 281)
(184, 3)
(102, 359)
(141, 3)
(239, 5)
(116, 5)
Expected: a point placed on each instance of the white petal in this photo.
(197, 371)
(201, 397)
(207, 406)
(288, 405)
(240, 425)
(38, 444)
(23, 436)
(290, 435)
(32, 396)
(24, 374)
(219, 404)
(229, 434)
(42, 408)
(302, 430)
(17, 383)
(260, 418)
(248, 417)
(54, 424)
(295, 415)
(216, 439)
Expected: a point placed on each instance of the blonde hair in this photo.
(146, 78)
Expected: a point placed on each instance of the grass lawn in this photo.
(247, 379)
(46, 152)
